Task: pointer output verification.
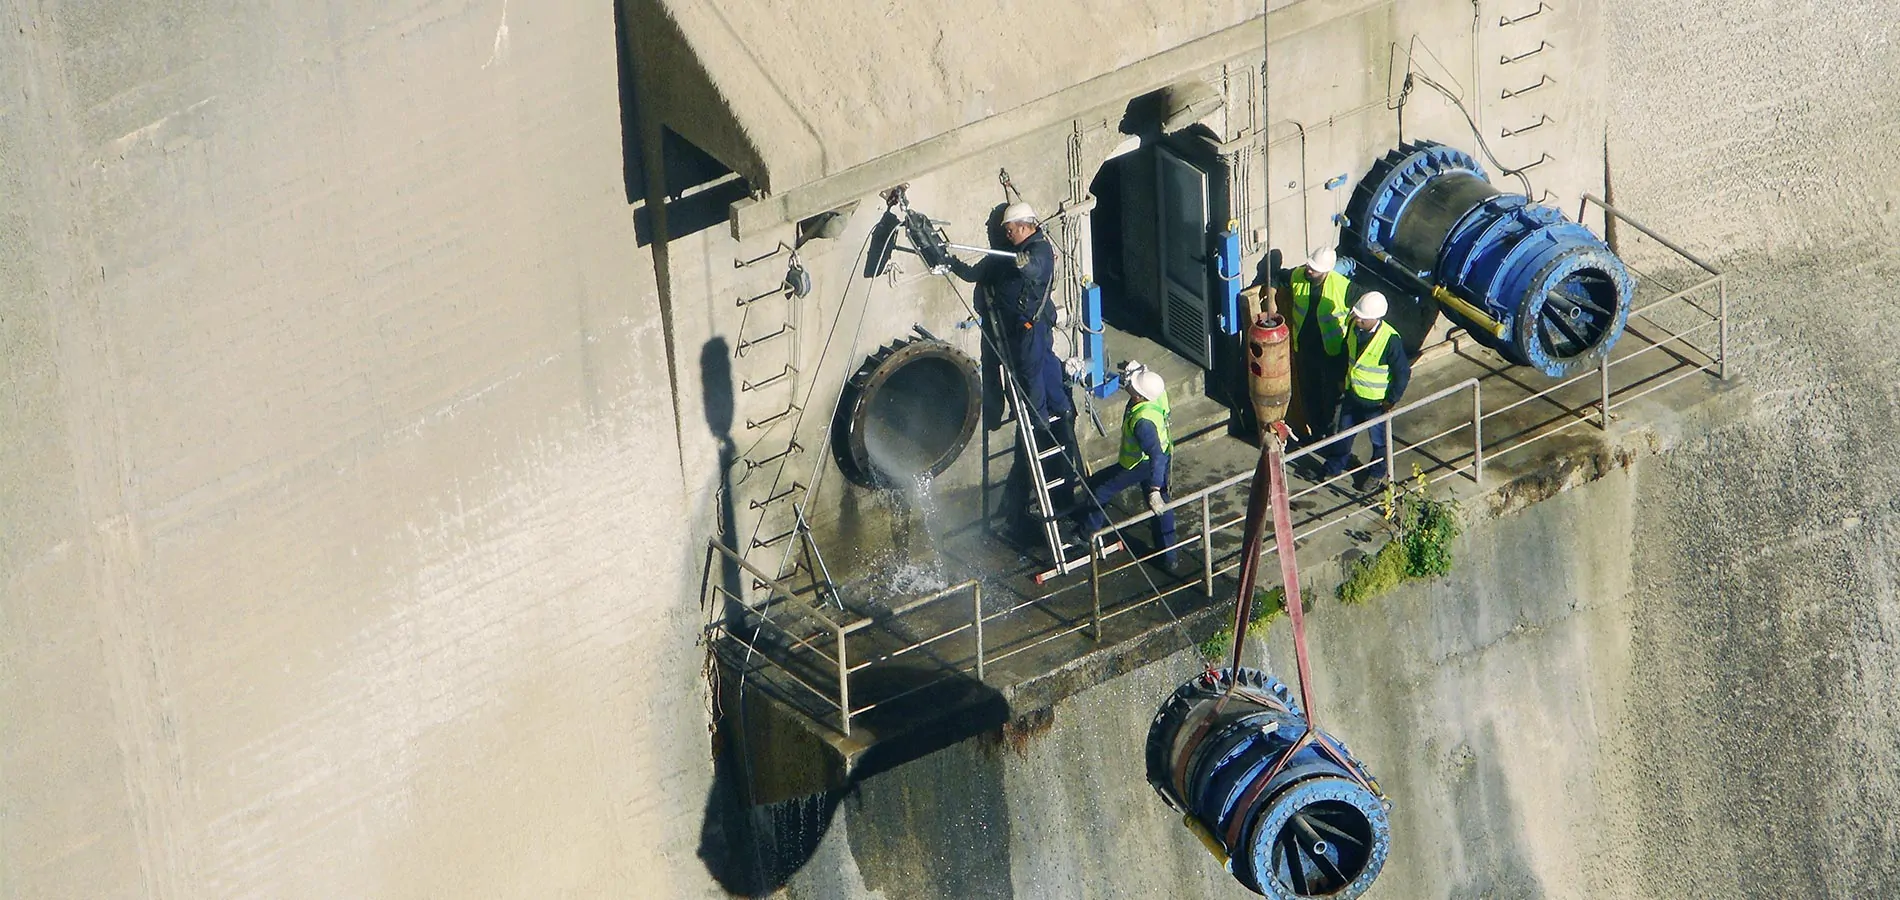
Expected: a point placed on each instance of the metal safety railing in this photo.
(1644, 325)
(799, 654)
(1462, 432)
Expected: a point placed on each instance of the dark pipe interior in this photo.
(1324, 847)
(1577, 313)
(914, 419)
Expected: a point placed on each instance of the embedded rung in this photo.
(1055, 484)
(1052, 451)
(1541, 159)
(777, 291)
(1542, 120)
(1541, 47)
(790, 449)
(787, 372)
(775, 251)
(777, 539)
(747, 345)
(1507, 21)
(795, 489)
(772, 418)
(1508, 93)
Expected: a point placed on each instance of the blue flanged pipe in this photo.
(1287, 820)
(1521, 277)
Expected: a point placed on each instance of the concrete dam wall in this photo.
(356, 479)
(1675, 681)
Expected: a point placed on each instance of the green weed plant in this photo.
(1423, 529)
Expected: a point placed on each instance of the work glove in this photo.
(1155, 502)
(1386, 406)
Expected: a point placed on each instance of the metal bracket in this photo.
(747, 345)
(1508, 93)
(796, 488)
(787, 372)
(790, 448)
(772, 418)
(776, 291)
(1542, 120)
(1504, 21)
(1541, 47)
(742, 263)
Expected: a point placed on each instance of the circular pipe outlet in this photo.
(907, 413)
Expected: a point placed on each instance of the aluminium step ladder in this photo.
(1066, 553)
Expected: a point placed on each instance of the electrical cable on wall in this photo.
(1405, 93)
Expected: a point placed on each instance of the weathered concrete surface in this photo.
(341, 542)
(804, 93)
(348, 548)
(1678, 681)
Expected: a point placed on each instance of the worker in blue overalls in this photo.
(1377, 373)
(1021, 317)
(1146, 458)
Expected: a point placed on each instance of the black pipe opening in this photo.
(907, 414)
(1323, 847)
(1577, 314)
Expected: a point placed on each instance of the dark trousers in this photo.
(1115, 479)
(1354, 411)
(1318, 377)
(1041, 371)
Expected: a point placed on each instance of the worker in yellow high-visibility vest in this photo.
(1314, 306)
(1377, 373)
(1146, 457)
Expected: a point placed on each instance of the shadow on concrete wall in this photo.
(939, 829)
(695, 188)
(777, 787)
(776, 781)
(715, 378)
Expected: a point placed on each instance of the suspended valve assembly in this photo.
(1521, 277)
(1283, 805)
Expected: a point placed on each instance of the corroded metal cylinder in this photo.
(1289, 817)
(1269, 368)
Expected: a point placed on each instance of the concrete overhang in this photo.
(817, 105)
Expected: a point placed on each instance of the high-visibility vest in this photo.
(1332, 309)
(1155, 411)
(1370, 377)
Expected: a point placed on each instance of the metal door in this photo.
(1186, 304)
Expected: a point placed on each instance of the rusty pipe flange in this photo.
(907, 413)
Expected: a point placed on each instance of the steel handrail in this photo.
(1308, 450)
(1475, 422)
(1215, 565)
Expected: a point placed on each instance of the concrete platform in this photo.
(915, 683)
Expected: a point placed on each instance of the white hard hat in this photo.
(1147, 383)
(1322, 260)
(1370, 306)
(1019, 212)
